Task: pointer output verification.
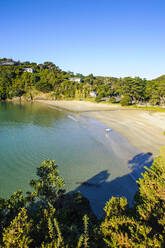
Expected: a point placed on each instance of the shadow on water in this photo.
(141, 160)
(99, 189)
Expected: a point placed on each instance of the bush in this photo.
(44, 86)
(154, 100)
(98, 98)
(56, 219)
(112, 99)
(126, 101)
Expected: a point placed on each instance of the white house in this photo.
(8, 63)
(29, 70)
(75, 79)
(93, 94)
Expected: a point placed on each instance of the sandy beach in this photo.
(143, 129)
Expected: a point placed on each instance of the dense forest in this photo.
(48, 217)
(49, 80)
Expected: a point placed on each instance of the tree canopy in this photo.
(47, 78)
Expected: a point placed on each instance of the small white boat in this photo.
(108, 129)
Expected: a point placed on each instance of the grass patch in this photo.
(151, 108)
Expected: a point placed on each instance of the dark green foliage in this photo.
(98, 98)
(10, 208)
(150, 199)
(155, 91)
(16, 235)
(48, 78)
(49, 186)
(112, 99)
(44, 86)
(126, 101)
(144, 225)
(133, 87)
(61, 220)
(120, 229)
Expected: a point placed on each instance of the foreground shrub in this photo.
(126, 100)
(150, 199)
(112, 99)
(49, 218)
(17, 234)
(119, 229)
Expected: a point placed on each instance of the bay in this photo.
(94, 162)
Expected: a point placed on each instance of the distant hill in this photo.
(160, 79)
(29, 81)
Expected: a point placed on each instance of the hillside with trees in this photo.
(49, 80)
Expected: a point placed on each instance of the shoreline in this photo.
(141, 128)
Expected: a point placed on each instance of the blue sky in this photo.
(104, 37)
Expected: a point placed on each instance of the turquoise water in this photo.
(32, 132)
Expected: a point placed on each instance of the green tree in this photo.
(150, 199)
(44, 86)
(50, 185)
(17, 234)
(125, 101)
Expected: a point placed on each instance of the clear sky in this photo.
(103, 37)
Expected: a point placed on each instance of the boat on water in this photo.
(108, 129)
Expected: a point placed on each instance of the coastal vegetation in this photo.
(48, 217)
(48, 81)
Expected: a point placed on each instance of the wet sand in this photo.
(143, 129)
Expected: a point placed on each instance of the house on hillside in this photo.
(8, 63)
(75, 79)
(117, 99)
(28, 70)
(93, 94)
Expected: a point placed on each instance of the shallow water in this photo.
(84, 152)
